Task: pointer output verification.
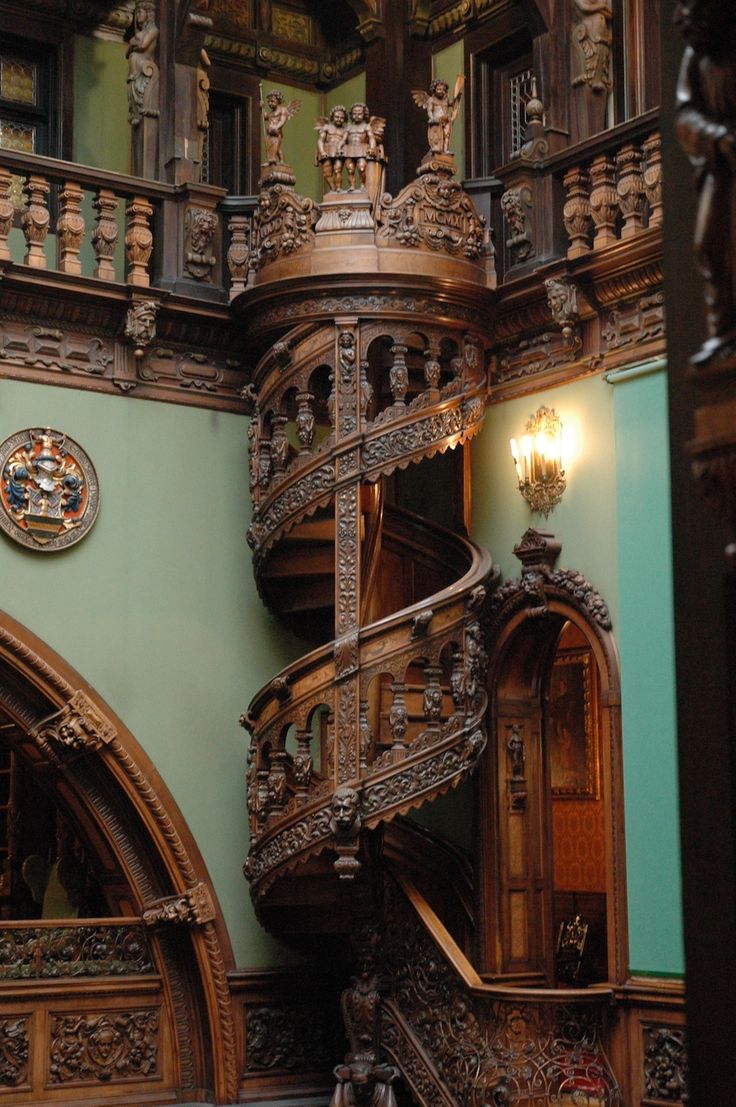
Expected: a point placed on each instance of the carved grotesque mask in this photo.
(344, 808)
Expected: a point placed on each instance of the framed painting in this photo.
(571, 726)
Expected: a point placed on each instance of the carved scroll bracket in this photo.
(79, 727)
(194, 907)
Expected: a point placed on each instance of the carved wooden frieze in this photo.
(288, 1037)
(14, 1051)
(634, 322)
(105, 1047)
(78, 727)
(435, 213)
(75, 950)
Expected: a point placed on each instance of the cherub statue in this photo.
(706, 128)
(441, 112)
(331, 147)
(360, 144)
(593, 38)
(274, 120)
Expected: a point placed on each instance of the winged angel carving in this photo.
(274, 121)
(441, 112)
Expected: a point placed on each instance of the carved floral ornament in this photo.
(49, 493)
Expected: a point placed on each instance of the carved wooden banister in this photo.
(171, 233)
(458, 1040)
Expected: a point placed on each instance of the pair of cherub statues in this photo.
(348, 140)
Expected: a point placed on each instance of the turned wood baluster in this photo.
(399, 375)
(277, 796)
(365, 737)
(432, 370)
(603, 201)
(138, 240)
(238, 254)
(279, 442)
(35, 220)
(105, 234)
(305, 422)
(630, 189)
(398, 719)
(433, 697)
(6, 212)
(303, 764)
(70, 228)
(653, 178)
(576, 212)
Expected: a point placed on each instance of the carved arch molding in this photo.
(88, 755)
(524, 624)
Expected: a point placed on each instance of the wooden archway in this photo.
(86, 754)
(527, 617)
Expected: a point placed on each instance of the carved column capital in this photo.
(194, 907)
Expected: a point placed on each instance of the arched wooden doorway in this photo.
(132, 1004)
(551, 783)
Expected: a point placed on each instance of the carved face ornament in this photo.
(345, 808)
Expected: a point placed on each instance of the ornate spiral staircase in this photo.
(368, 323)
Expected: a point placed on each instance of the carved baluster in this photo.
(35, 220)
(279, 443)
(365, 737)
(432, 370)
(433, 697)
(653, 178)
(264, 463)
(138, 240)
(238, 254)
(630, 189)
(457, 680)
(261, 802)
(277, 782)
(303, 764)
(6, 212)
(305, 422)
(105, 234)
(603, 201)
(576, 212)
(398, 719)
(70, 228)
(332, 400)
(399, 375)
(366, 390)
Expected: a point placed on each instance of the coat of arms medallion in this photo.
(49, 494)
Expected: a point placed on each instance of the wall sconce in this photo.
(538, 460)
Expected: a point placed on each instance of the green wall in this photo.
(157, 607)
(645, 638)
(614, 527)
(101, 128)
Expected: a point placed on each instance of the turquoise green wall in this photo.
(448, 64)
(157, 608)
(645, 637)
(614, 527)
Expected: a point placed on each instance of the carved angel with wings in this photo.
(274, 120)
(441, 112)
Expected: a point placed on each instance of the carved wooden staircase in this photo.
(368, 342)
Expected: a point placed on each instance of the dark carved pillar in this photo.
(704, 583)
(397, 62)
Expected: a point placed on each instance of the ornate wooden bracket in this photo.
(194, 907)
(78, 727)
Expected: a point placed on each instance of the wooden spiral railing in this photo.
(360, 374)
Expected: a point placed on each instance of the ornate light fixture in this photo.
(538, 460)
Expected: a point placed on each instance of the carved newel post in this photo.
(706, 128)
(143, 83)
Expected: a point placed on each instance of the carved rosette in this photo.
(79, 727)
